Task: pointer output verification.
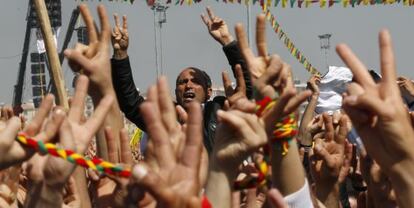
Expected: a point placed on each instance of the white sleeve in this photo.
(301, 198)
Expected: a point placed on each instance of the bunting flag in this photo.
(275, 3)
(295, 52)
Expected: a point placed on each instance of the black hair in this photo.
(198, 73)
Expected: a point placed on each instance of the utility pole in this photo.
(160, 17)
(325, 46)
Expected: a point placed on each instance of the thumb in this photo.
(10, 132)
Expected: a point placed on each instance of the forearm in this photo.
(403, 183)
(120, 54)
(304, 136)
(234, 56)
(82, 187)
(113, 120)
(328, 193)
(218, 189)
(126, 91)
(287, 171)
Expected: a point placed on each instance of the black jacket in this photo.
(130, 100)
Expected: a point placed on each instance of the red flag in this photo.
(150, 2)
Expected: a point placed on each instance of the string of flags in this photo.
(301, 3)
(295, 52)
(289, 3)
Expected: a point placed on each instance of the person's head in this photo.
(192, 84)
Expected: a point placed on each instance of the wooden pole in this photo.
(52, 53)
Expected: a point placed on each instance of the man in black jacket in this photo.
(191, 84)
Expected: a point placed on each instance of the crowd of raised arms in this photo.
(245, 149)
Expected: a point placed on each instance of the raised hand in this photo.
(386, 132)
(94, 58)
(406, 84)
(56, 171)
(257, 64)
(86, 130)
(331, 149)
(176, 184)
(95, 63)
(120, 38)
(13, 152)
(239, 92)
(53, 173)
(217, 28)
(239, 134)
(313, 84)
(331, 160)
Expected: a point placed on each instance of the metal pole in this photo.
(325, 46)
(160, 41)
(155, 40)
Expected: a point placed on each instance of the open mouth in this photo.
(188, 96)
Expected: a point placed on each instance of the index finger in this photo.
(88, 19)
(43, 111)
(205, 20)
(343, 130)
(169, 117)
(330, 132)
(126, 155)
(116, 18)
(210, 13)
(95, 121)
(78, 101)
(124, 23)
(261, 36)
(111, 145)
(387, 60)
(243, 43)
(228, 89)
(241, 83)
(193, 144)
(358, 69)
(105, 26)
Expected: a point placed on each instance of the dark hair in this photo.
(204, 77)
(374, 75)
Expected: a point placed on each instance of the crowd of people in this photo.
(245, 149)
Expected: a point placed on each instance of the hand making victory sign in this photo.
(386, 131)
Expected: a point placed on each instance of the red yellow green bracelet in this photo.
(73, 157)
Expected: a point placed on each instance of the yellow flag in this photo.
(307, 3)
(322, 3)
(284, 2)
(293, 51)
(268, 15)
(406, 2)
(365, 2)
(345, 3)
(136, 138)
